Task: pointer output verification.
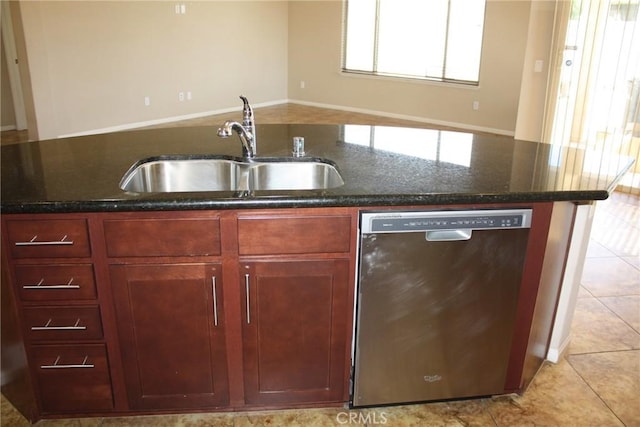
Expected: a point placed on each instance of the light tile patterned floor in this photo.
(596, 384)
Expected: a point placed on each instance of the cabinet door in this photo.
(171, 326)
(295, 331)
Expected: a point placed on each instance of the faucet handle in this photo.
(247, 112)
(247, 122)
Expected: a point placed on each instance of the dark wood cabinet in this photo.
(295, 274)
(171, 325)
(169, 235)
(294, 330)
(142, 312)
(51, 266)
(45, 238)
(72, 378)
(170, 307)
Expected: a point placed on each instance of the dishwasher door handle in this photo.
(448, 235)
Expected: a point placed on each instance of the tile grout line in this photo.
(616, 314)
(610, 210)
(604, 402)
(603, 352)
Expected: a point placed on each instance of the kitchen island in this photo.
(89, 271)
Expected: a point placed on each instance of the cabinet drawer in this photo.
(55, 282)
(162, 237)
(294, 235)
(51, 238)
(63, 323)
(73, 378)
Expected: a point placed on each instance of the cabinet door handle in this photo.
(46, 327)
(40, 285)
(248, 301)
(215, 301)
(34, 242)
(55, 365)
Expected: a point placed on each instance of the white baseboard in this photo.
(555, 354)
(463, 126)
(136, 125)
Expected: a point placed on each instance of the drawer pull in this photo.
(56, 366)
(248, 300)
(46, 327)
(40, 285)
(34, 242)
(215, 301)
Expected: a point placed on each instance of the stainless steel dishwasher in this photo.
(437, 300)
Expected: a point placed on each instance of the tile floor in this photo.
(596, 384)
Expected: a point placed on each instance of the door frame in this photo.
(10, 51)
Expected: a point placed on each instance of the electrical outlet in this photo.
(537, 66)
(476, 105)
(302, 84)
(180, 96)
(147, 101)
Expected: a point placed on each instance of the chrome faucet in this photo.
(246, 131)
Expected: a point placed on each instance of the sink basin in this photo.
(175, 174)
(294, 175)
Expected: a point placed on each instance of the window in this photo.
(436, 39)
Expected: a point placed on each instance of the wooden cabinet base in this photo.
(295, 331)
(171, 335)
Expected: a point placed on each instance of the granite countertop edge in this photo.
(184, 202)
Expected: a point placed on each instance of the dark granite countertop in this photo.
(381, 166)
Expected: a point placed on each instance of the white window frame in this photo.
(375, 72)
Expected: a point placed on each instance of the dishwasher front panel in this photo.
(435, 319)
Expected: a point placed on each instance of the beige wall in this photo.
(533, 91)
(315, 57)
(7, 112)
(92, 63)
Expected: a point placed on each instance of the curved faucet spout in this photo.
(246, 131)
(245, 137)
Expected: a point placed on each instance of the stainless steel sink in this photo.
(294, 175)
(176, 174)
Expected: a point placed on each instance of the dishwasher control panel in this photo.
(412, 221)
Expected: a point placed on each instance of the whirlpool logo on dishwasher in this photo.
(432, 378)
